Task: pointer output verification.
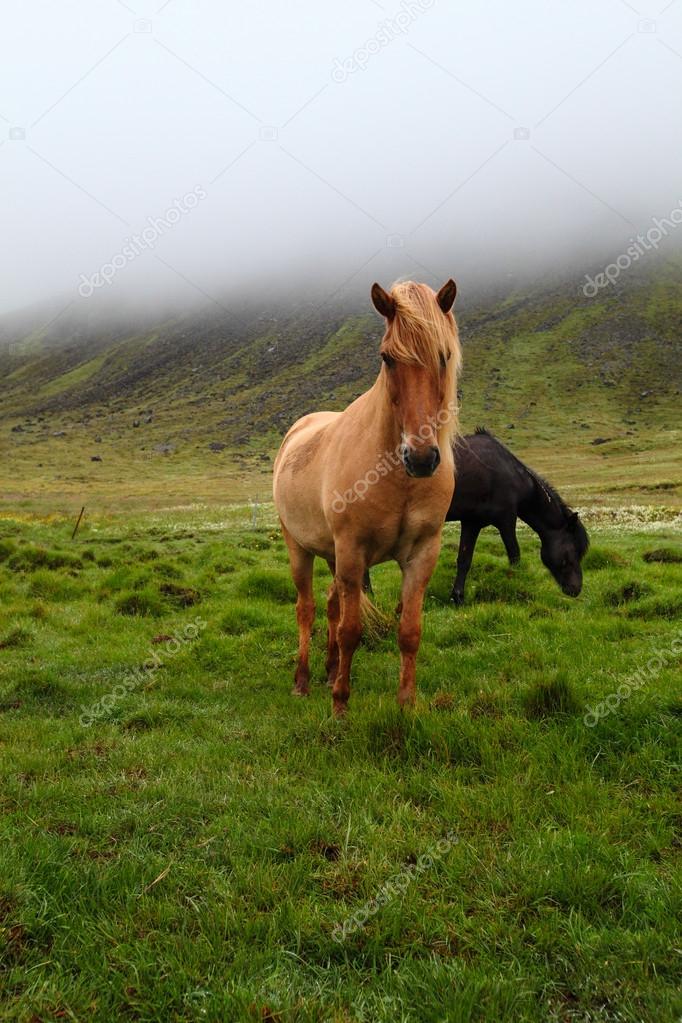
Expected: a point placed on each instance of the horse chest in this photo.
(401, 524)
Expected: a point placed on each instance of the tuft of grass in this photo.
(143, 722)
(180, 596)
(54, 586)
(627, 592)
(497, 581)
(39, 611)
(669, 607)
(551, 698)
(663, 556)
(29, 558)
(242, 617)
(42, 693)
(487, 705)
(15, 638)
(7, 549)
(443, 701)
(142, 602)
(598, 558)
(266, 584)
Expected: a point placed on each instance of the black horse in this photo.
(494, 488)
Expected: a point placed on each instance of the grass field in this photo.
(183, 840)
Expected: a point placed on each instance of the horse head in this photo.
(420, 354)
(562, 551)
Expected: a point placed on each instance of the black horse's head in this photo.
(562, 551)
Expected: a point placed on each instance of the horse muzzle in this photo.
(421, 462)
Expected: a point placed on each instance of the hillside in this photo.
(589, 387)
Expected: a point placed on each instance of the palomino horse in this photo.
(363, 486)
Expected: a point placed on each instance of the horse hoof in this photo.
(300, 692)
(406, 702)
(457, 598)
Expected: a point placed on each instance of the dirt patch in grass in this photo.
(627, 593)
(15, 638)
(180, 596)
(663, 556)
(329, 850)
(29, 558)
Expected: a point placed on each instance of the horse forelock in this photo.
(420, 333)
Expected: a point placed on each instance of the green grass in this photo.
(183, 840)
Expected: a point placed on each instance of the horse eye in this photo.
(443, 360)
(390, 362)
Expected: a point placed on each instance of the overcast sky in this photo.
(328, 144)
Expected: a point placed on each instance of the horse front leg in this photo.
(348, 581)
(417, 571)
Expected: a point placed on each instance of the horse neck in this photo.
(540, 509)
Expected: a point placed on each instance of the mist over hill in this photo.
(240, 377)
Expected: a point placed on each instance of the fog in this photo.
(311, 148)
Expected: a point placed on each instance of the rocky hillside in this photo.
(548, 364)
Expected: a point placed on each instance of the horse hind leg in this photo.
(348, 581)
(301, 562)
(511, 545)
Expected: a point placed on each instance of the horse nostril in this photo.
(435, 456)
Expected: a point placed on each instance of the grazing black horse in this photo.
(494, 488)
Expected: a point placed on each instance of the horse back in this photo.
(489, 482)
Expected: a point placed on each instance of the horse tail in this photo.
(375, 623)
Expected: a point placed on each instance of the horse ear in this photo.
(573, 520)
(446, 296)
(383, 302)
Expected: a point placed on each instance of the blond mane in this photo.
(421, 333)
